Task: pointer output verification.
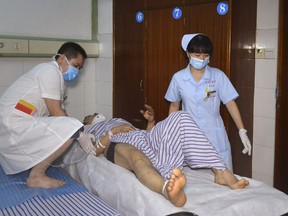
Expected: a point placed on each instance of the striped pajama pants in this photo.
(174, 142)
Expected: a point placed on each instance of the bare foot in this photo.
(174, 189)
(227, 178)
(43, 182)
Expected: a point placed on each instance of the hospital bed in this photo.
(121, 189)
(71, 199)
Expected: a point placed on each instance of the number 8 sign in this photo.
(222, 8)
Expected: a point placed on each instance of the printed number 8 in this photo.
(222, 8)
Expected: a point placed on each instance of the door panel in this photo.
(164, 57)
(242, 64)
(128, 89)
(281, 148)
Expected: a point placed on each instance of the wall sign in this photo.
(139, 17)
(177, 13)
(222, 8)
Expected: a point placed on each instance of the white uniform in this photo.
(27, 134)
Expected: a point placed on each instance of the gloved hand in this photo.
(86, 142)
(245, 140)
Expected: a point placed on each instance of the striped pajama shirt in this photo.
(174, 142)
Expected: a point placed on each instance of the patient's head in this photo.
(93, 119)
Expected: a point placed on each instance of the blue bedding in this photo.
(13, 189)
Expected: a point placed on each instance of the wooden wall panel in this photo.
(243, 40)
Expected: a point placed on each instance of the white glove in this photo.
(86, 142)
(245, 140)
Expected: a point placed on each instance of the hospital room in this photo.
(129, 56)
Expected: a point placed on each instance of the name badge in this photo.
(209, 94)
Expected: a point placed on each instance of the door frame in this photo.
(281, 149)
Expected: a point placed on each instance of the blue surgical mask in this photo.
(71, 73)
(198, 63)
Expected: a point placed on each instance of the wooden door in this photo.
(153, 50)
(164, 56)
(129, 58)
(281, 148)
(164, 53)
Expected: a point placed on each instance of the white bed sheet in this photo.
(122, 190)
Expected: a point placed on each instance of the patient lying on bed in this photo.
(157, 155)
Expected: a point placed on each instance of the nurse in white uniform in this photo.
(34, 126)
(201, 88)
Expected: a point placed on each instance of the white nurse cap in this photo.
(186, 39)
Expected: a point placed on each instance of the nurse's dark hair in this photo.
(200, 44)
(71, 50)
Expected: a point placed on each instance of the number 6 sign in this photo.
(139, 17)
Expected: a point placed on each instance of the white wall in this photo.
(104, 64)
(264, 98)
(57, 18)
(93, 91)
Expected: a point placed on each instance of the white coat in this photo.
(27, 139)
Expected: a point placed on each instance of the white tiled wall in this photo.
(104, 68)
(264, 98)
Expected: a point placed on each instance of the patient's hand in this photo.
(122, 128)
(148, 114)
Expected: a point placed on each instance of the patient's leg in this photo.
(131, 158)
(227, 178)
(174, 190)
(38, 178)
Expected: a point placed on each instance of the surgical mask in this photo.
(71, 73)
(98, 118)
(198, 63)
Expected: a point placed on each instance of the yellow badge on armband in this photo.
(26, 107)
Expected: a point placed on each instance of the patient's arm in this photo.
(105, 140)
(148, 114)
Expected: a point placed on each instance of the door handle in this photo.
(141, 85)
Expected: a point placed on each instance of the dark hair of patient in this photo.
(200, 44)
